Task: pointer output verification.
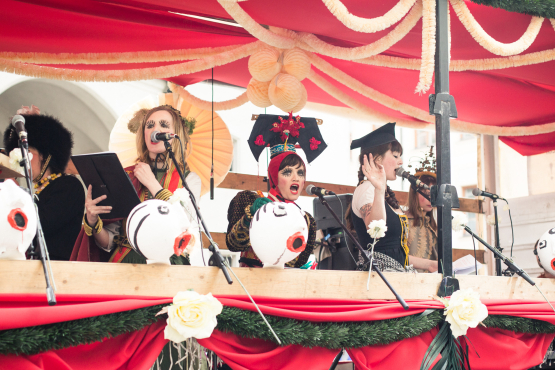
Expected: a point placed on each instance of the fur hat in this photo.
(47, 135)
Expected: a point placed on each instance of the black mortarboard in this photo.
(271, 130)
(382, 135)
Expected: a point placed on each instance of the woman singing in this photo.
(380, 156)
(287, 174)
(154, 176)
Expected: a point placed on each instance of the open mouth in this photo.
(294, 189)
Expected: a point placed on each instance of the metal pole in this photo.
(442, 105)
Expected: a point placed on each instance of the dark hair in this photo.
(292, 160)
(413, 204)
(48, 136)
(376, 151)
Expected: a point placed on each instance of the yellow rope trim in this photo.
(488, 42)
(368, 25)
(116, 58)
(53, 73)
(428, 46)
(205, 104)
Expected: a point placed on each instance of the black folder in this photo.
(106, 175)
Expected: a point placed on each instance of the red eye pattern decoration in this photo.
(553, 263)
(17, 219)
(296, 243)
(181, 242)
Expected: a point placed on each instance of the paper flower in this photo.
(179, 195)
(191, 315)
(459, 221)
(259, 140)
(314, 143)
(15, 160)
(464, 310)
(377, 229)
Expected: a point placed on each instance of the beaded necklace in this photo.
(42, 184)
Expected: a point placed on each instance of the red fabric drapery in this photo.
(496, 348)
(518, 96)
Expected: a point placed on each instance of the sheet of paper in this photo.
(466, 265)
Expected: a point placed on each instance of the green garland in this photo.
(539, 8)
(332, 335)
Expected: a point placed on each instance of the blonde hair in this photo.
(180, 130)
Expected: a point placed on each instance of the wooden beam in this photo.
(26, 277)
(240, 181)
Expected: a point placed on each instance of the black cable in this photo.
(512, 229)
(346, 239)
(475, 261)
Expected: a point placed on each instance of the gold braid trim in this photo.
(89, 230)
(404, 237)
(163, 194)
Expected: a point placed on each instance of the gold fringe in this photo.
(252, 27)
(428, 46)
(378, 46)
(116, 58)
(490, 44)
(53, 73)
(207, 105)
(367, 91)
(365, 25)
(355, 104)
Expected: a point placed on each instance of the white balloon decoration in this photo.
(18, 221)
(278, 233)
(546, 251)
(158, 229)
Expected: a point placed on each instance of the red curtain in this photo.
(497, 349)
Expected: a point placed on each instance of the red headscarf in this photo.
(273, 171)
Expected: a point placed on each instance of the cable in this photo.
(475, 261)
(512, 229)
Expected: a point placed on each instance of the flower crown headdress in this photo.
(135, 122)
(427, 165)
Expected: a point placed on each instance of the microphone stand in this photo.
(38, 240)
(498, 270)
(367, 259)
(219, 259)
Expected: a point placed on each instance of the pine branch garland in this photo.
(539, 8)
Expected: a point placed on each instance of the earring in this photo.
(43, 169)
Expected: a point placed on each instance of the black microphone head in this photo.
(309, 189)
(399, 171)
(18, 118)
(476, 192)
(153, 137)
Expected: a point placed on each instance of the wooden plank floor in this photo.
(166, 281)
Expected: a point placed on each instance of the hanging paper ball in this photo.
(265, 64)
(158, 229)
(302, 102)
(18, 221)
(296, 63)
(285, 92)
(257, 92)
(278, 233)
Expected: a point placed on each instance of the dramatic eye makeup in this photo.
(287, 171)
(300, 172)
(150, 124)
(164, 124)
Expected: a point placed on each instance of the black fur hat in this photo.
(47, 135)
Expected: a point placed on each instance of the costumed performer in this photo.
(286, 173)
(153, 176)
(59, 197)
(373, 200)
(422, 240)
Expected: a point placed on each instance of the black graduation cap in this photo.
(382, 135)
(273, 131)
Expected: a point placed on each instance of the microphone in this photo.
(18, 122)
(477, 192)
(314, 190)
(412, 179)
(158, 136)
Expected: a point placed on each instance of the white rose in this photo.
(377, 229)
(15, 160)
(179, 195)
(459, 221)
(192, 315)
(464, 310)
